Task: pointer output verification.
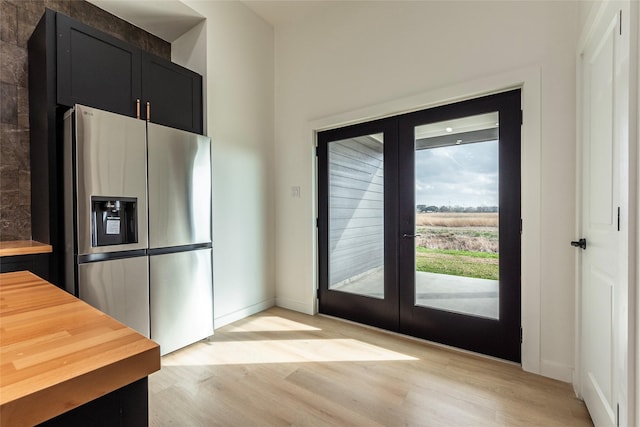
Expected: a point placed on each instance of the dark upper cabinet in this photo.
(101, 71)
(174, 94)
(72, 63)
(96, 69)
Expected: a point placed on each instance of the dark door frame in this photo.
(382, 313)
(499, 338)
(397, 312)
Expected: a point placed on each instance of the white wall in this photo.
(240, 121)
(361, 54)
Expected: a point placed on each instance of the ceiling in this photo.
(169, 19)
(280, 13)
(461, 125)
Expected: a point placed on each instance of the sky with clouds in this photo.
(458, 175)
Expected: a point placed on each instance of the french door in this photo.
(419, 224)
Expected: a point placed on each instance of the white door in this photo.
(604, 289)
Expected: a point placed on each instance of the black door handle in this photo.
(582, 243)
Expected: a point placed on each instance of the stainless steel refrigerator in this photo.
(138, 224)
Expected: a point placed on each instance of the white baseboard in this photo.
(242, 313)
(557, 371)
(299, 306)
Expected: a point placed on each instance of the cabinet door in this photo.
(38, 264)
(174, 94)
(96, 69)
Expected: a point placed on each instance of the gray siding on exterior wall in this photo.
(356, 207)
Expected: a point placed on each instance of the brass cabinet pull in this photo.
(148, 111)
(137, 108)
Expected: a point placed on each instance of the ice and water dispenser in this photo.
(114, 220)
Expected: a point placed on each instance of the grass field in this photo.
(457, 263)
(454, 219)
(459, 244)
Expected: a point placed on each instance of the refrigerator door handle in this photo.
(148, 111)
(138, 108)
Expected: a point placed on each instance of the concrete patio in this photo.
(476, 297)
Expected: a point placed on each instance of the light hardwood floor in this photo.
(282, 368)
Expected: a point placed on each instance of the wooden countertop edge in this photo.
(50, 402)
(23, 247)
(40, 402)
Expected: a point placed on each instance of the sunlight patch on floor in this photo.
(269, 324)
(286, 351)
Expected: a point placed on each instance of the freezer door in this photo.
(110, 153)
(181, 295)
(179, 187)
(119, 288)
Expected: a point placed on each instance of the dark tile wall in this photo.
(18, 18)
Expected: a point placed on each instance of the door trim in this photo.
(529, 80)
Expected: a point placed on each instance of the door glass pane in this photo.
(456, 194)
(356, 215)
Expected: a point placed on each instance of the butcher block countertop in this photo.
(57, 352)
(23, 247)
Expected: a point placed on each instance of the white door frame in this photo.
(529, 79)
(629, 219)
(635, 71)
